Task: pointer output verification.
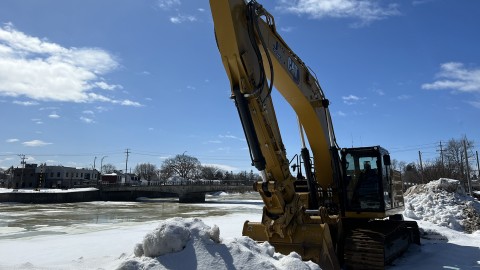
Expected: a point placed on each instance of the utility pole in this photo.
(441, 156)
(23, 158)
(101, 164)
(23, 162)
(421, 165)
(478, 168)
(126, 164)
(468, 169)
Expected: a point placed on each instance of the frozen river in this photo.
(94, 234)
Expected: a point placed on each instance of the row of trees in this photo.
(185, 166)
(457, 160)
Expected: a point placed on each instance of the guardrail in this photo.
(182, 183)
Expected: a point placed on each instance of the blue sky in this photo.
(86, 79)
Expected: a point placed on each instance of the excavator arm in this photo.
(256, 58)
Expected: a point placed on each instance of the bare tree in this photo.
(146, 171)
(211, 172)
(454, 156)
(184, 166)
(109, 168)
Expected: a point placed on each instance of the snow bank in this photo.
(443, 202)
(180, 243)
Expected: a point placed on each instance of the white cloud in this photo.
(222, 166)
(45, 71)
(105, 86)
(455, 76)
(340, 113)
(87, 120)
(168, 4)
(12, 140)
(36, 119)
(229, 136)
(475, 104)
(351, 99)
(286, 29)
(35, 143)
(404, 97)
(25, 103)
(420, 2)
(88, 112)
(127, 102)
(366, 11)
(182, 18)
(54, 115)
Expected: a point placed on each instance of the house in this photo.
(111, 178)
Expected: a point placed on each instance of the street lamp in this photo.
(101, 164)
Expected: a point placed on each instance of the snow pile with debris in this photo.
(443, 202)
(179, 243)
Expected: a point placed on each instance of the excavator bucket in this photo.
(311, 241)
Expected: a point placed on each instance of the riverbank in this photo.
(184, 193)
(49, 195)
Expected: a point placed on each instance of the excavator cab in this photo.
(372, 187)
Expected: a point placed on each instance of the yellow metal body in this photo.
(284, 222)
(245, 54)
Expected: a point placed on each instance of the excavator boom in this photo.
(303, 213)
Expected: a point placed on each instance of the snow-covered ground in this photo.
(443, 212)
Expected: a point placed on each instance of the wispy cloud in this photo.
(351, 99)
(286, 29)
(475, 104)
(54, 115)
(224, 167)
(87, 120)
(12, 140)
(35, 143)
(455, 76)
(37, 121)
(45, 71)
(168, 4)
(229, 136)
(183, 18)
(24, 103)
(340, 113)
(88, 112)
(363, 11)
(421, 2)
(404, 97)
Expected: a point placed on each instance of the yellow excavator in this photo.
(343, 208)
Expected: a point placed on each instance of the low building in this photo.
(111, 178)
(130, 179)
(24, 177)
(34, 176)
(67, 177)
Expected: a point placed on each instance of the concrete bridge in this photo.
(186, 193)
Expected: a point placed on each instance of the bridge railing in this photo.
(183, 183)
